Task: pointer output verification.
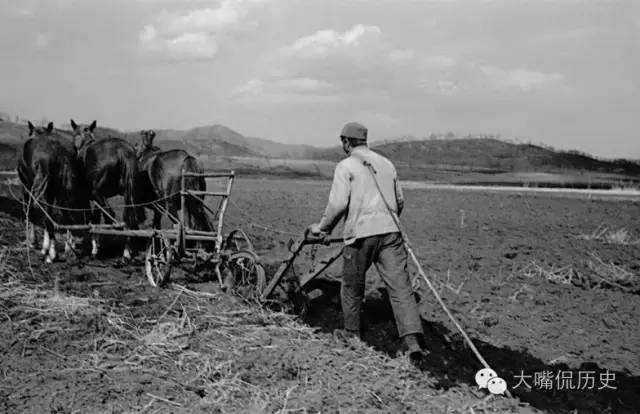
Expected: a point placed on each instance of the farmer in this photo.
(370, 236)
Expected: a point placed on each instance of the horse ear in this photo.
(50, 127)
(152, 134)
(31, 127)
(73, 124)
(92, 126)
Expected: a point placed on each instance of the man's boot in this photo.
(346, 334)
(413, 347)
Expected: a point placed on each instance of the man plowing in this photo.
(371, 235)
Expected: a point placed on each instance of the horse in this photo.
(160, 179)
(111, 169)
(50, 173)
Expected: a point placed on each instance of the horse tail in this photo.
(133, 214)
(68, 192)
(39, 187)
(23, 167)
(194, 204)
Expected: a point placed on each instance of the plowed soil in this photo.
(537, 288)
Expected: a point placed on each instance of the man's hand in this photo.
(314, 230)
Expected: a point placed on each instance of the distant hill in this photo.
(8, 155)
(219, 140)
(486, 155)
(441, 157)
(12, 133)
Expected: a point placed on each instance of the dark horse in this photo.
(49, 171)
(110, 169)
(160, 179)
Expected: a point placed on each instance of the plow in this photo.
(231, 257)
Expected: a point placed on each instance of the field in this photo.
(543, 285)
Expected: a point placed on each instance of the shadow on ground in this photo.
(451, 361)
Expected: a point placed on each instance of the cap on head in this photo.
(354, 130)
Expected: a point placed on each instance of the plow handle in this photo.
(294, 253)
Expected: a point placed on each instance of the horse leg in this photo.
(95, 219)
(69, 245)
(157, 218)
(46, 241)
(126, 253)
(130, 218)
(172, 207)
(29, 221)
(50, 237)
(195, 221)
(38, 193)
(52, 245)
(68, 248)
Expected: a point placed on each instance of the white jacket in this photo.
(354, 194)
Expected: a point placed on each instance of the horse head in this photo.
(147, 138)
(145, 146)
(83, 134)
(40, 131)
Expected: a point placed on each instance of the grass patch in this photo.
(621, 236)
(198, 352)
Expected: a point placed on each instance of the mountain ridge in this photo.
(414, 157)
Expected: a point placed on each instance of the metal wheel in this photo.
(158, 260)
(248, 274)
(238, 240)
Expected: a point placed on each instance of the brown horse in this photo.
(111, 168)
(50, 173)
(160, 179)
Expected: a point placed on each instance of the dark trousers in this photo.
(389, 255)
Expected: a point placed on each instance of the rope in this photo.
(39, 203)
(43, 203)
(174, 219)
(405, 239)
(261, 226)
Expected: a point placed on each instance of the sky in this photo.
(564, 73)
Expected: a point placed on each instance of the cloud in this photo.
(42, 40)
(66, 4)
(23, 12)
(358, 61)
(523, 79)
(171, 1)
(196, 34)
(401, 55)
(447, 88)
(573, 34)
(361, 51)
(187, 46)
(437, 62)
(324, 42)
(378, 122)
(228, 16)
(421, 61)
(295, 90)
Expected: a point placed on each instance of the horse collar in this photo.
(85, 144)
